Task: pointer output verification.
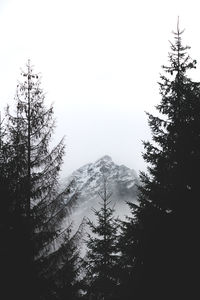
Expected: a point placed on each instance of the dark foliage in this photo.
(165, 226)
(32, 204)
(102, 257)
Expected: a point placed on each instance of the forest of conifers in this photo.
(150, 255)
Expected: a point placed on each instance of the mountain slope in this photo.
(88, 182)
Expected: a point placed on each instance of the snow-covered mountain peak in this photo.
(88, 181)
(88, 184)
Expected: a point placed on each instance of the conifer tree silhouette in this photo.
(39, 205)
(165, 227)
(102, 251)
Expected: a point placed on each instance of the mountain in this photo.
(88, 183)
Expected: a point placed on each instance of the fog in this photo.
(100, 63)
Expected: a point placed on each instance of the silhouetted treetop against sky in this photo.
(165, 228)
(38, 207)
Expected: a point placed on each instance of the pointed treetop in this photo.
(178, 31)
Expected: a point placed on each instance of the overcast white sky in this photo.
(100, 62)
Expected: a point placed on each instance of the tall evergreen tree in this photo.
(102, 251)
(6, 218)
(40, 207)
(166, 226)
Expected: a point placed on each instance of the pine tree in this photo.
(61, 270)
(102, 254)
(40, 207)
(6, 217)
(166, 220)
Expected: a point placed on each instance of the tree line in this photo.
(150, 255)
